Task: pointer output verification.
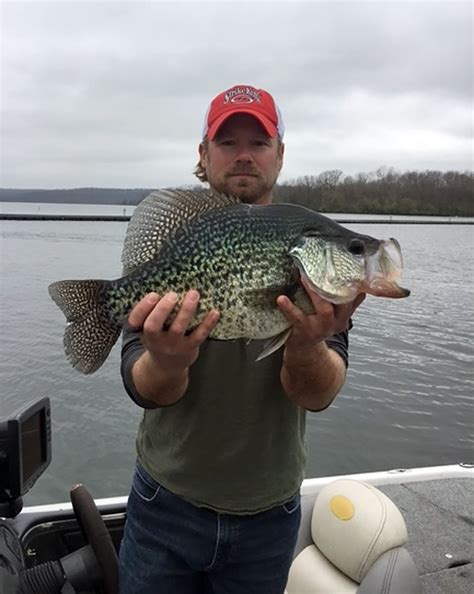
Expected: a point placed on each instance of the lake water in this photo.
(407, 402)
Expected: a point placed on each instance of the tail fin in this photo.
(90, 334)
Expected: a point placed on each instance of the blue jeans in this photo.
(173, 547)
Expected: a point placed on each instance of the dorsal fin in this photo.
(159, 215)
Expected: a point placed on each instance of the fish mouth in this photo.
(383, 269)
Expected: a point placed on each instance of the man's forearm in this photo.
(312, 377)
(160, 386)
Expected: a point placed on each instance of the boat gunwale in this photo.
(309, 487)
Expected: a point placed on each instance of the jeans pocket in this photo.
(144, 486)
(293, 505)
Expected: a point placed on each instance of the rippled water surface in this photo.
(408, 399)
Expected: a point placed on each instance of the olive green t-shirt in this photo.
(234, 442)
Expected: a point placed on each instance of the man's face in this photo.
(242, 160)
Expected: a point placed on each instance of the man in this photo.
(214, 505)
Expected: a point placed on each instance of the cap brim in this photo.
(266, 123)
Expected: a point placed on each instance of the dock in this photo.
(340, 218)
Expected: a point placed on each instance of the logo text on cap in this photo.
(242, 95)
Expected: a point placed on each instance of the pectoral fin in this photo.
(273, 344)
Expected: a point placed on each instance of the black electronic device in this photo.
(25, 453)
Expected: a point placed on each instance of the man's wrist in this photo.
(156, 368)
(313, 376)
(304, 355)
(154, 382)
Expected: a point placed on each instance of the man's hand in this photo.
(160, 374)
(328, 319)
(171, 348)
(312, 374)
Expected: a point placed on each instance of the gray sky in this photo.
(113, 94)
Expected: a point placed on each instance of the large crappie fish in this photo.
(239, 257)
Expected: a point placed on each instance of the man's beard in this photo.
(247, 191)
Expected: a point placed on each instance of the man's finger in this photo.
(159, 314)
(344, 312)
(185, 314)
(141, 311)
(358, 300)
(321, 305)
(292, 313)
(342, 315)
(202, 332)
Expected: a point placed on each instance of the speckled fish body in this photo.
(239, 257)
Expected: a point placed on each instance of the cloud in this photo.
(114, 94)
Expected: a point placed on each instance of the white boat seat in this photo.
(358, 535)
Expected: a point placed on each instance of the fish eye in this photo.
(356, 247)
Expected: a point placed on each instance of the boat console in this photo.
(25, 453)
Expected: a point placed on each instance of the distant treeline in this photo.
(76, 195)
(384, 191)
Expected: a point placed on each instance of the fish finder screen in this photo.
(33, 450)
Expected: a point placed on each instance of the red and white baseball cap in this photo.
(243, 99)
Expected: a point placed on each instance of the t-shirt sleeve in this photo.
(340, 344)
(132, 349)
